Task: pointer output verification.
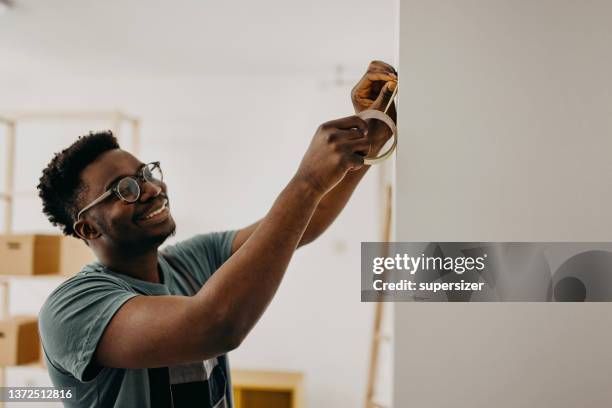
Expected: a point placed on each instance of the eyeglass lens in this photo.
(152, 173)
(129, 189)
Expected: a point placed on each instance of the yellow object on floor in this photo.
(268, 389)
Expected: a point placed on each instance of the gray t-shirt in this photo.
(75, 315)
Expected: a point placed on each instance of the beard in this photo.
(130, 240)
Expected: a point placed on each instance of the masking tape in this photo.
(378, 115)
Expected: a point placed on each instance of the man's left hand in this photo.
(373, 91)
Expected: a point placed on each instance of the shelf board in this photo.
(268, 380)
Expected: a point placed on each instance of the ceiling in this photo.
(191, 37)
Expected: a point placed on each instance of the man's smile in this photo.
(156, 214)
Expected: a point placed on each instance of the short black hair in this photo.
(60, 185)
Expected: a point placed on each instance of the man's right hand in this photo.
(337, 147)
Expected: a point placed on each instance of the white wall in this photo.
(505, 124)
(228, 145)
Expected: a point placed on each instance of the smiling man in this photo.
(150, 327)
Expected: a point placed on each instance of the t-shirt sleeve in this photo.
(205, 253)
(73, 318)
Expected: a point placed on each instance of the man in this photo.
(144, 327)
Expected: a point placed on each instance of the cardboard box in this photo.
(19, 340)
(29, 254)
(74, 255)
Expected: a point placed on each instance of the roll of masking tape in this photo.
(383, 117)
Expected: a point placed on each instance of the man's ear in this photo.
(86, 230)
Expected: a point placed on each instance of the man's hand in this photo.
(376, 85)
(373, 91)
(337, 147)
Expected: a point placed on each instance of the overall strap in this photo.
(182, 270)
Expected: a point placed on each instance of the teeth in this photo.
(159, 210)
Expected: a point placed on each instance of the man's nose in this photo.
(149, 190)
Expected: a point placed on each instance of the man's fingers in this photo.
(369, 87)
(364, 87)
(349, 122)
(370, 77)
(350, 134)
(381, 66)
(355, 161)
(365, 101)
(381, 76)
(359, 146)
(384, 96)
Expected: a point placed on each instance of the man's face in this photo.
(126, 225)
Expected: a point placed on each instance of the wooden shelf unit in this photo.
(10, 124)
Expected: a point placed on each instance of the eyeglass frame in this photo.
(139, 176)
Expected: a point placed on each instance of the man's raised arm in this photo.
(373, 91)
(155, 331)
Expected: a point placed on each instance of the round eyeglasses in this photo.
(128, 188)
